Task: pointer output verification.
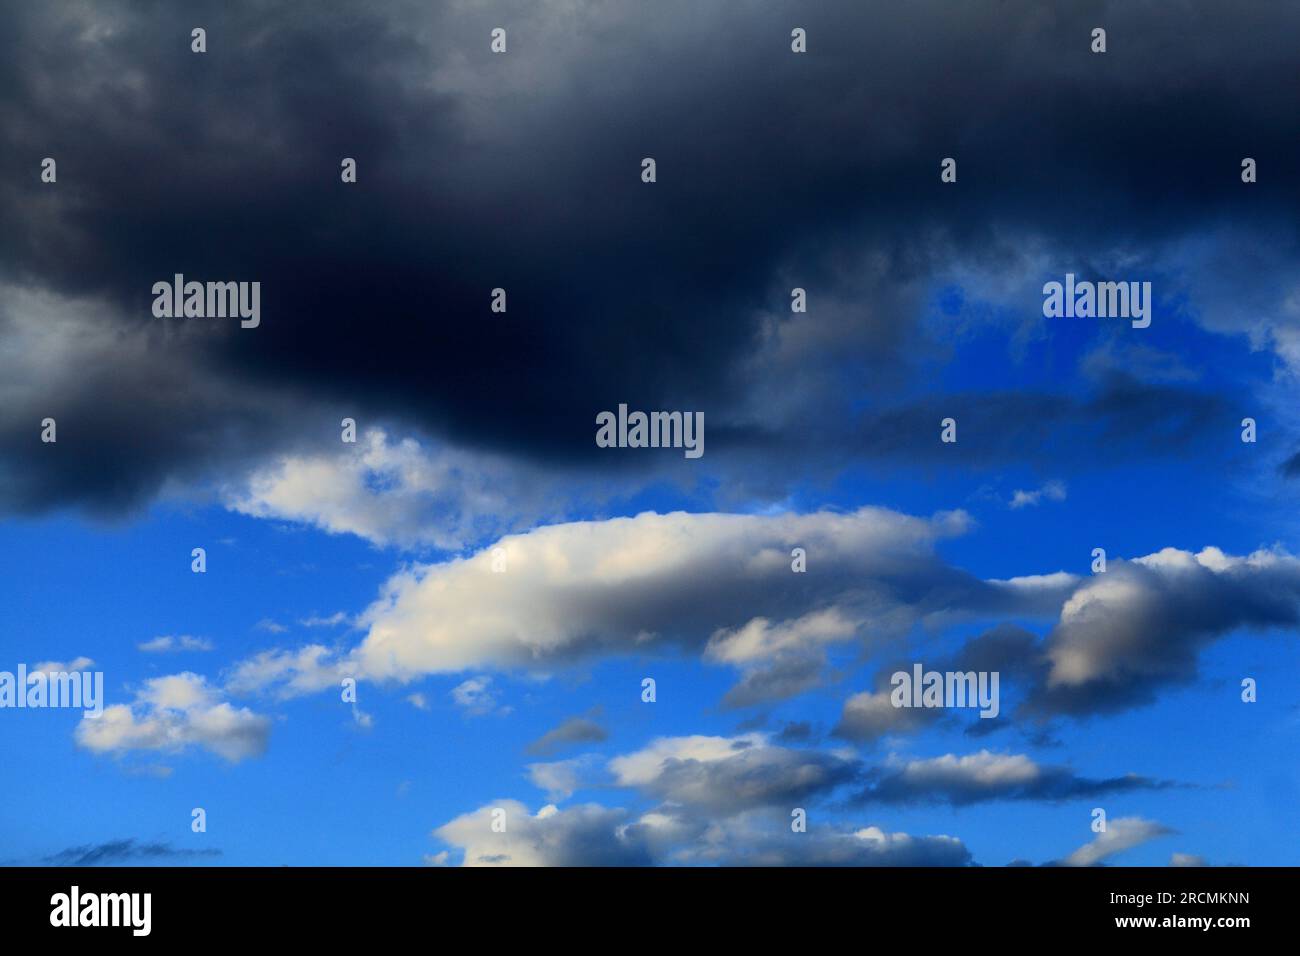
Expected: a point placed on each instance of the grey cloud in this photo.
(573, 730)
(1121, 637)
(120, 851)
(1013, 652)
(520, 172)
(1121, 834)
(593, 835)
(728, 776)
(985, 776)
(869, 715)
(787, 676)
(1142, 625)
(795, 731)
(756, 840)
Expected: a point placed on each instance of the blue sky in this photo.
(329, 791)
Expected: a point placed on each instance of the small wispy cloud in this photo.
(169, 644)
(574, 730)
(1052, 491)
(61, 667)
(334, 620)
(118, 851)
(476, 698)
(1122, 834)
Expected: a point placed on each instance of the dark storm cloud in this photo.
(132, 415)
(1125, 417)
(521, 171)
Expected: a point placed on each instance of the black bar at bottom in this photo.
(338, 905)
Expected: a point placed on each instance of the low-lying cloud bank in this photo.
(593, 835)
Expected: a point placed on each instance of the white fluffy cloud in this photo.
(619, 585)
(761, 639)
(983, 776)
(729, 775)
(588, 835)
(982, 769)
(174, 713)
(1122, 833)
(720, 585)
(392, 493)
(305, 671)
